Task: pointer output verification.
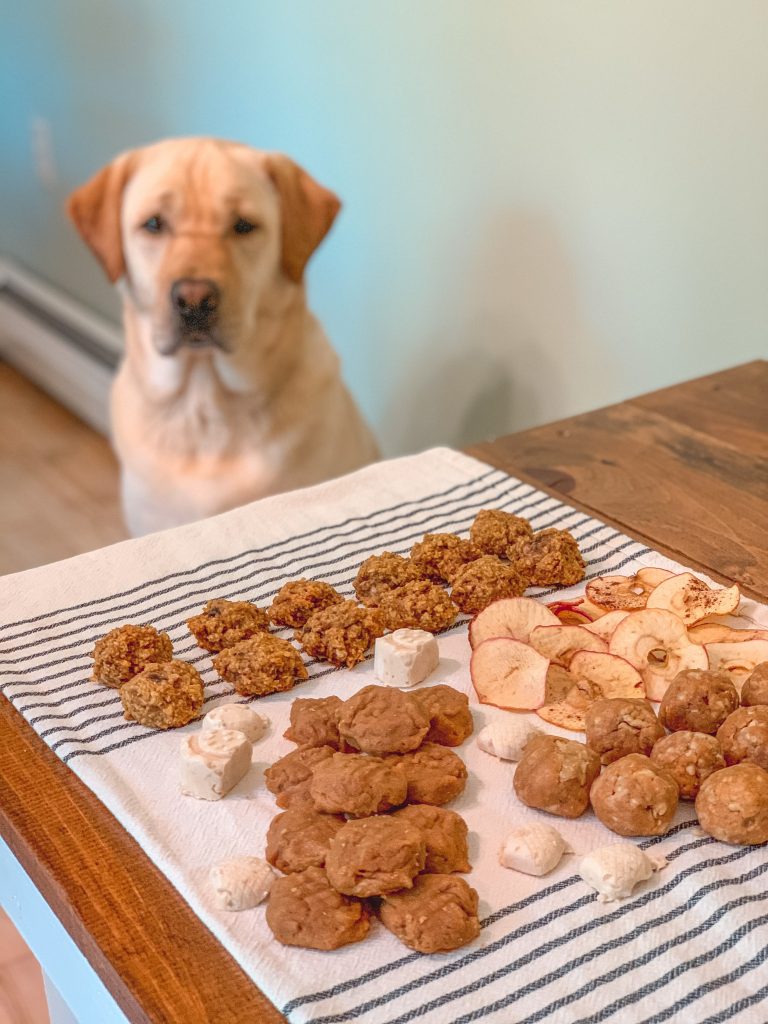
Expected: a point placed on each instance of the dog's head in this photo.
(201, 232)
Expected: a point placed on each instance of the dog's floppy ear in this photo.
(307, 212)
(95, 211)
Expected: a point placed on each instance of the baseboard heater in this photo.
(64, 347)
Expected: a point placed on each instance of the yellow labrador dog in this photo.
(229, 389)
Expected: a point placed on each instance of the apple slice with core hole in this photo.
(560, 643)
(508, 674)
(691, 599)
(656, 643)
(618, 593)
(738, 660)
(606, 624)
(514, 617)
(651, 577)
(614, 675)
(718, 633)
(569, 613)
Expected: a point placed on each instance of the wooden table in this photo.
(684, 469)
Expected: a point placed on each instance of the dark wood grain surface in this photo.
(684, 469)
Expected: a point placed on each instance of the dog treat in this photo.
(418, 605)
(237, 716)
(485, 580)
(305, 910)
(555, 775)
(341, 633)
(299, 838)
(241, 883)
(550, 557)
(124, 651)
(437, 915)
(163, 696)
(732, 805)
(298, 599)
(405, 657)
(507, 737)
(621, 725)
(382, 720)
(434, 774)
(450, 720)
(381, 573)
(439, 556)
(698, 700)
(635, 797)
(494, 532)
(262, 665)
(743, 736)
(689, 757)
(755, 689)
(290, 777)
(534, 849)
(212, 763)
(373, 856)
(315, 722)
(615, 870)
(445, 836)
(358, 785)
(223, 624)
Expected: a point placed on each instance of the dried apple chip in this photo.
(613, 675)
(560, 643)
(739, 660)
(513, 617)
(656, 643)
(618, 593)
(691, 599)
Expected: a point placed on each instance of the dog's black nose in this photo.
(196, 300)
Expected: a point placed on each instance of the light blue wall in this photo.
(548, 205)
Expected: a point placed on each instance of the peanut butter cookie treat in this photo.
(438, 914)
(732, 805)
(555, 775)
(435, 774)
(289, 778)
(551, 557)
(698, 700)
(358, 785)
(382, 720)
(439, 556)
(450, 720)
(341, 633)
(755, 689)
(298, 599)
(264, 664)
(635, 797)
(163, 696)
(124, 651)
(743, 736)
(305, 910)
(444, 833)
(689, 757)
(494, 532)
(418, 605)
(299, 838)
(381, 573)
(315, 722)
(224, 623)
(372, 856)
(620, 726)
(485, 580)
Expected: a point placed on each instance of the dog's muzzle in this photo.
(195, 302)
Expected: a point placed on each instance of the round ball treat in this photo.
(494, 532)
(689, 757)
(485, 580)
(382, 720)
(732, 805)
(381, 573)
(341, 633)
(549, 557)
(555, 774)
(298, 599)
(163, 696)
(418, 605)
(262, 665)
(698, 700)
(634, 797)
(305, 910)
(439, 556)
(434, 774)
(124, 651)
(315, 722)
(358, 785)
(371, 856)
(450, 720)
(444, 833)
(619, 726)
(224, 623)
(299, 838)
(438, 914)
(290, 777)
(743, 736)
(755, 689)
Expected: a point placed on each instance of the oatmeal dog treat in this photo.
(299, 838)
(305, 910)
(550, 557)
(494, 532)
(241, 883)
(224, 623)
(124, 651)
(534, 849)
(439, 556)
(418, 605)
(698, 700)
(732, 805)
(743, 736)
(358, 785)
(382, 720)
(405, 657)
(381, 573)
(450, 720)
(634, 797)
(264, 664)
(163, 696)
(689, 757)
(555, 775)
(298, 599)
(372, 856)
(486, 580)
(435, 775)
(341, 633)
(289, 778)
(444, 833)
(212, 763)
(237, 716)
(438, 914)
(755, 689)
(620, 726)
(315, 722)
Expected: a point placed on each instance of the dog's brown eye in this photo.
(244, 227)
(154, 225)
